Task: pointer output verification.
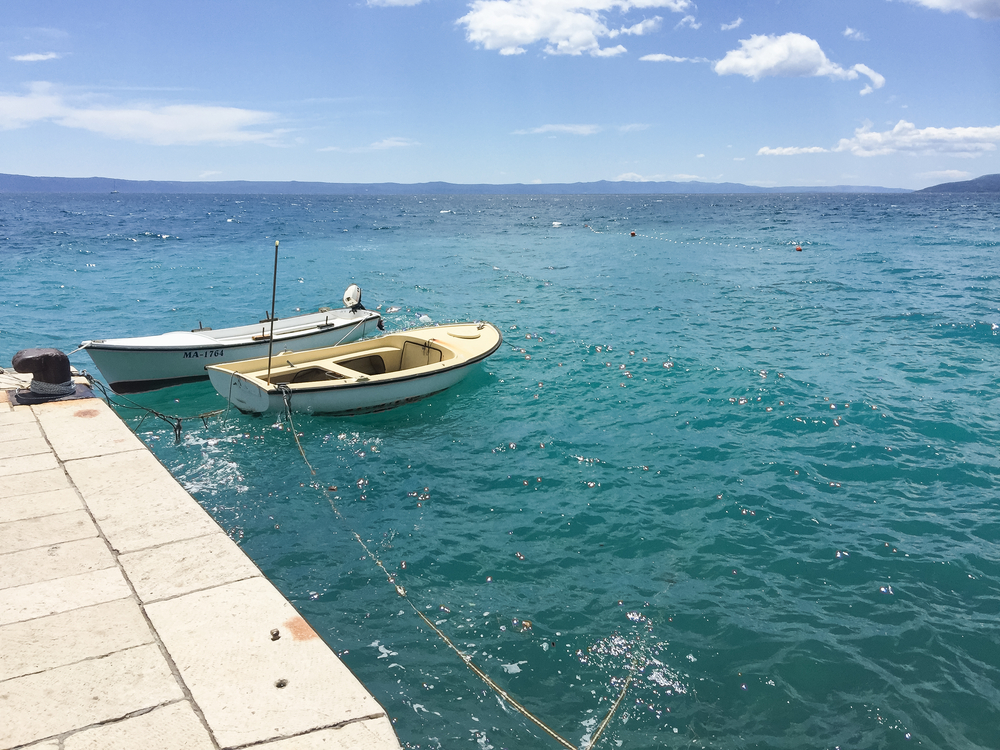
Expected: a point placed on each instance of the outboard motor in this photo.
(51, 377)
(352, 298)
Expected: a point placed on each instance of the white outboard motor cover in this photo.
(352, 296)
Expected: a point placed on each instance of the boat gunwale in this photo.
(242, 340)
(338, 385)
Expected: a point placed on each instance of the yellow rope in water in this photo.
(466, 659)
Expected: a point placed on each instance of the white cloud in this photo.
(688, 21)
(984, 9)
(645, 26)
(569, 27)
(36, 57)
(659, 57)
(791, 151)
(570, 129)
(383, 145)
(633, 127)
(906, 138)
(160, 125)
(857, 36)
(734, 25)
(789, 55)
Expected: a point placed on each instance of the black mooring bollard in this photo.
(51, 377)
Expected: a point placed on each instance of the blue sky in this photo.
(898, 93)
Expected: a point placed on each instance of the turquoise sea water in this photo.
(764, 483)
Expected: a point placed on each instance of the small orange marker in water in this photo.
(633, 234)
(798, 248)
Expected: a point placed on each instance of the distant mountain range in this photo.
(11, 183)
(988, 183)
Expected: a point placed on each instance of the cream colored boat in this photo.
(364, 376)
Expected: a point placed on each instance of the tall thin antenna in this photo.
(274, 290)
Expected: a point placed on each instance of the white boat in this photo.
(145, 363)
(365, 376)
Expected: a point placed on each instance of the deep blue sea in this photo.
(762, 483)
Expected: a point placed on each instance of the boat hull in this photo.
(148, 363)
(451, 351)
(344, 400)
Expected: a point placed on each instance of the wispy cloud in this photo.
(789, 55)
(791, 151)
(985, 9)
(36, 57)
(569, 129)
(633, 127)
(690, 21)
(383, 145)
(162, 125)
(854, 34)
(734, 25)
(907, 138)
(568, 27)
(659, 57)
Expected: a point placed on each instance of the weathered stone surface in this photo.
(24, 446)
(45, 531)
(27, 464)
(172, 727)
(43, 705)
(36, 504)
(252, 688)
(84, 429)
(186, 566)
(54, 561)
(147, 509)
(62, 595)
(359, 735)
(26, 484)
(26, 429)
(12, 417)
(71, 637)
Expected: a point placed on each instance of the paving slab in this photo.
(97, 542)
(137, 503)
(58, 700)
(45, 531)
(26, 484)
(11, 415)
(359, 735)
(20, 507)
(172, 727)
(27, 464)
(84, 428)
(70, 637)
(55, 561)
(20, 603)
(189, 565)
(27, 445)
(16, 431)
(249, 687)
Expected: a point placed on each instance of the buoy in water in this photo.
(798, 248)
(633, 234)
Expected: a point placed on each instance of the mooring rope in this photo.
(466, 659)
(174, 421)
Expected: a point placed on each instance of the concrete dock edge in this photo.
(128, 618)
